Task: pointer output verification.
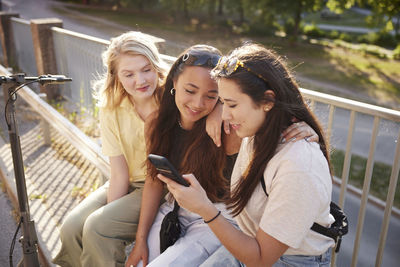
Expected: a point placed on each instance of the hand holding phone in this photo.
(165, 167)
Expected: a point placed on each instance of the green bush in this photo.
(288, 27)
(365, 38)
(333, 35)
(372, 50)
(385, 39)
(345, 37)
(382, 38)
(313, 31)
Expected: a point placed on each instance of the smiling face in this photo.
(244, 115)
(137, 76)
(196, 94)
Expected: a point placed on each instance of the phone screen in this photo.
(163, 165)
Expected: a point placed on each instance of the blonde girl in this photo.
(96, 231)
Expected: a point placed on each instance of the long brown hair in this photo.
(200, 156)
(268, 72)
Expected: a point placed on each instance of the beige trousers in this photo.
(95, 233)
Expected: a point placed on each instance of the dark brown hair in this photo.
(288, 103)
(200, 156)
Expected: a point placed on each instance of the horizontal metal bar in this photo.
(19, 20)
(341, 102)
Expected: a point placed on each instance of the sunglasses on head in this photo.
(200, 59)
(228, 65)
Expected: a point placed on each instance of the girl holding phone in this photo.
(178, 132)
(260, 97)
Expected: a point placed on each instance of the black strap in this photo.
(176, 206)
(329, 232)
(263, 186)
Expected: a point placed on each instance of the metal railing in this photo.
(24, 46)
(379, 114)
(1, 52)
(79, 57)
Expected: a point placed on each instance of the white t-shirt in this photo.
(299, 186)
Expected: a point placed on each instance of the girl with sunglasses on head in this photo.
(260, 98)
(178, 132)
(96, 231)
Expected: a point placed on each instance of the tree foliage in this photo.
(264, 16)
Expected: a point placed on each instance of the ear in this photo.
(270, 98)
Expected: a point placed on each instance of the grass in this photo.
(380, 175)
(378, 79)
(43, 197)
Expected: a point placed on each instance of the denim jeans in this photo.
(223, 258)
(196, 244)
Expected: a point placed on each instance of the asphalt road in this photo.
(386, 139)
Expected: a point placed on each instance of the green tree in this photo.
(286, 11)
(387, 11)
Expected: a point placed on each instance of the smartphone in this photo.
(165, 167)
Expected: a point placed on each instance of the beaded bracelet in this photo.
(215, 217)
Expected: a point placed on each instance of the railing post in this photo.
(7, 38)
(45, 127)
(43, 46)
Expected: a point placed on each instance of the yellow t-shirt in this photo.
(122, 133)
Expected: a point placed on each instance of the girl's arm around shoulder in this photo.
(232, 143)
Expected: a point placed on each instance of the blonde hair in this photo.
(109, 91)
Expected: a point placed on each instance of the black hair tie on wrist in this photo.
(215, 217)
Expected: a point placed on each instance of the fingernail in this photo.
(307, 139)
(291, 140)
(283, 140)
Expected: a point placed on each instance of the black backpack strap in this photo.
(335, 231)
(263, 186)
(176, 206)
(338, 228)
(323, 230)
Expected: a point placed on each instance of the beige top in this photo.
(122, 133)
(299, 186)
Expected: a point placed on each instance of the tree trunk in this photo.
(211, 8)
(185, 9)
(220, 7)
(297, 20)
(241, 12)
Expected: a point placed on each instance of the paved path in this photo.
(58, 177)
